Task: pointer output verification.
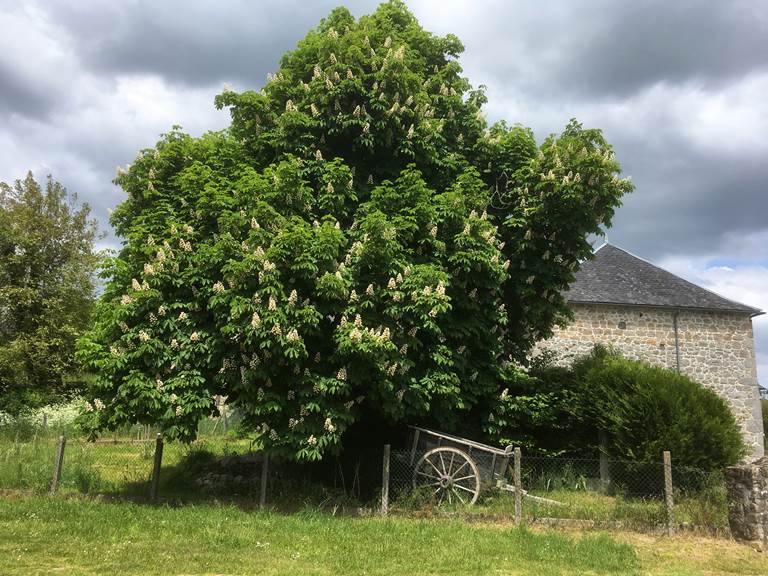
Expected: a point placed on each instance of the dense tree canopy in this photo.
(357, 241)
(47, 267)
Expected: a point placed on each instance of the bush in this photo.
(537, 411)
(542, 411)
(645, 410)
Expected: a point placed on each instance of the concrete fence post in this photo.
(264, 477)
(605, 468)
(668, 498)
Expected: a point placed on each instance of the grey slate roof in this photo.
(615, 276)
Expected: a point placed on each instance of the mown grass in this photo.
(42, 535)
(88, 536)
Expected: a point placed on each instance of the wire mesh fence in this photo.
(126, 466)
(600, 493)
(430, 478)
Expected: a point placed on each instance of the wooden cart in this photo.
(455, 468)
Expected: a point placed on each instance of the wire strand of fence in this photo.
(599, 492)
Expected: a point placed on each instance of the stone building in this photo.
(652, 315)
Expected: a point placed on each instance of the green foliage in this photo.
(641, 410)
(645, 410)
(540, 411)
(47, 266)
(537, 411)
(764, 404)
(358, 241)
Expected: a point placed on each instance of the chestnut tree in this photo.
(358, 240)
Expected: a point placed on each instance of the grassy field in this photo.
(123, 467)
(45, 535)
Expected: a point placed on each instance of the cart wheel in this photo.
(451, 473)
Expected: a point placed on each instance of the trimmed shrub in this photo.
(645, 410)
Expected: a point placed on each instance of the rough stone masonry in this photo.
(748, 503)
(652, 315)
(714, 348)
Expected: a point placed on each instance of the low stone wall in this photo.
(714, 348)
(748, 503)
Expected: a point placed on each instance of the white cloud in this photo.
(746, 283)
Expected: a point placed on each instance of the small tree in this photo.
(358, 241)
(47, 264)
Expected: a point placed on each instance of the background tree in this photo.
(358, 246)
(47, 266)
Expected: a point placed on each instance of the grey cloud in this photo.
(689, 202)
(604, 49)
(19, 96)
(648, 42)
(192, 43)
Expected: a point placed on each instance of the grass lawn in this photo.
(104, 467)
(43, 535)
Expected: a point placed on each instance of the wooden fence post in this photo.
(264, 476)
(605, 469)
(58, 464)
(385, 482)
(518, 489)
(668, 500)
(155, 482)
(415, 444)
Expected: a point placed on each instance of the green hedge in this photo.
(644, 410)
(640, 409)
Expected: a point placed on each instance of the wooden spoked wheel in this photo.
(450, 473)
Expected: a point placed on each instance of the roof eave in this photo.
(751, 311)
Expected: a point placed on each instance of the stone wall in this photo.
(715, 348)
(748, 503)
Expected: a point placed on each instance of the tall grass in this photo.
(26, 465)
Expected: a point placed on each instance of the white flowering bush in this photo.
(358, 241)
(55, 416)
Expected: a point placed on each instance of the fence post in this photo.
(385, 482)
(155, 482)
(415, 444)
(605, 470)
(668, 500)
(59, 463)
(518, 489)
(264, 476)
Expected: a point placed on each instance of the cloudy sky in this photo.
(678, 87)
